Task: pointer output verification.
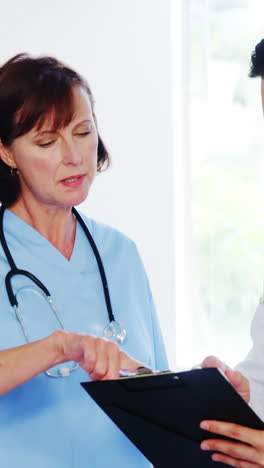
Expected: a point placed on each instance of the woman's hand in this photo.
(237, 380)
(234, 453)
(102, 359)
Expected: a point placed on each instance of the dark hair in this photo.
(31, 89)
(257, 61)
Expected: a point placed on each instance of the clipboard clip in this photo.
(155, 380)
(142, 372)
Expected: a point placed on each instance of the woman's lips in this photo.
(73, 181)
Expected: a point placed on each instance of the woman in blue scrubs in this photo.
(50, 152)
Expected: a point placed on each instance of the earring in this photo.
(14, 171)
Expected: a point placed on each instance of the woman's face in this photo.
(57, 168)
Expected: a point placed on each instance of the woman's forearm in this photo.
(19, 364)
(100, 358)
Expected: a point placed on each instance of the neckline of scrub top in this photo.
(13, 224)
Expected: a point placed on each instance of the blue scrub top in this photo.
(52, 422)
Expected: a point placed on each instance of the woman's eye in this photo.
(46, 144)
(84, 133)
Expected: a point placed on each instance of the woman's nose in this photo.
(71, 154)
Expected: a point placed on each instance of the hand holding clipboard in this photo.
(235, 454)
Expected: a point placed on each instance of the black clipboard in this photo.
(161, 413)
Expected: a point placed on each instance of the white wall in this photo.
(123, 49)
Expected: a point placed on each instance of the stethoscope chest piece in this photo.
(113, 331)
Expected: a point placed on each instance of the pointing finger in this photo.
(129, 364)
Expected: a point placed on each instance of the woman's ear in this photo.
(6, 155)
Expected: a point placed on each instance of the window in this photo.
(221, 251)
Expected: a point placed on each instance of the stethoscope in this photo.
(112, 331)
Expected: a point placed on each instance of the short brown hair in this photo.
(30, 90)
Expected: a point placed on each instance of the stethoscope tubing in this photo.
(99, 263)
(16, 271)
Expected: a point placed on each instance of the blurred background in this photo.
(184, 125)
(223, 148)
